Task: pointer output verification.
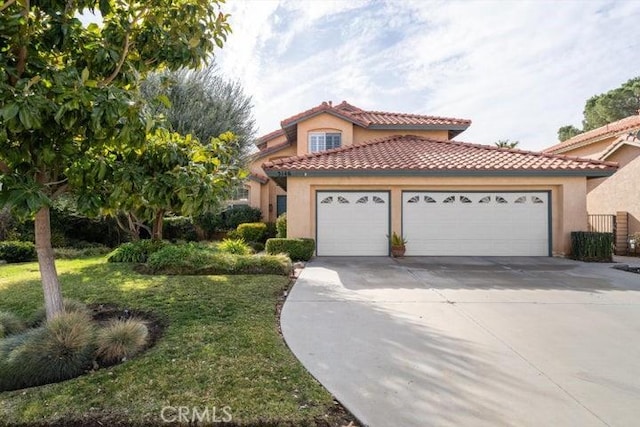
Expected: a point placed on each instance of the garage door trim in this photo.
(549, 206)
(388, 192)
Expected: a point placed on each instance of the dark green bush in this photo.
(281, 226)
(256, 246)
(121, 340)
(10, 324)
(236, 215)
(17, 251)
(253, 231)
(179, 228)
(272, 231)
(234, 246)
(196, 260)
(61, 349)
(591, 246)
(297, 249)
(136, 251)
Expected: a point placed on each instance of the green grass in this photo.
(221, 348)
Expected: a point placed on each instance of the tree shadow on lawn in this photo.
(221, 348)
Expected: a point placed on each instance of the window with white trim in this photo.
(320, 141)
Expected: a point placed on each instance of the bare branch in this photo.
(51, 184)
(61, 190)
(7, 4)
(123, 57)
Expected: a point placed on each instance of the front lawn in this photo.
(221, 349)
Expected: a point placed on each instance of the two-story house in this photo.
(619, 194)
(349, 177)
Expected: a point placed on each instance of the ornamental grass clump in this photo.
(121, 339)
(70, 306)
(10, 324)
(235, 247)
(61, 349)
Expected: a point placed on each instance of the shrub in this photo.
(121, 340)
(281, 226)
(183, 259)
(17, 251)
(179, 228)
(70, 306)
(253, 231)
(194, 260)
(256, 246)
(591, 246)
(136, 251)
(10, 324)
(234, 246)
(272, 231)
(61, 349)
(73, 253)
(297, 249)
(236, 215)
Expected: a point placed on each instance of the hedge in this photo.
(252, 231)
(591, 246)
(14, 251)
(297, 249)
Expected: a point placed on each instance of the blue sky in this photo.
(517, 69)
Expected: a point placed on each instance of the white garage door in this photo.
(474, 223)
(352, 223)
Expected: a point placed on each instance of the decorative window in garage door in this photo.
(465, 199)
(414, 199)
(449, 199)
(501, 199)
(536, 199)
(327, 200)
(363, 199)
(342, 200)
(378, 200)
(521, 199)
(428, 199)
(485, 199)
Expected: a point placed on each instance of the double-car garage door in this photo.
(435, 223)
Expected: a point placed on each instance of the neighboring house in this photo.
(618, 194)
(349, 178)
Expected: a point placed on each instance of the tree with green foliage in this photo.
(506, 143)
(606, 108)
(202, 103)
(568, 131)
(171, 173)
(68, 90)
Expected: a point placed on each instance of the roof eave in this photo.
(593, 173)
(419, 127)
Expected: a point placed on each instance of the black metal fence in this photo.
(602, 223)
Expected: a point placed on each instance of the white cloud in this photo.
(519, 70)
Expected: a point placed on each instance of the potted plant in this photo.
(398, 245)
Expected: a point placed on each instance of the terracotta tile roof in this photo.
(259, 178)
(414, 153)
(262, 141)
(377, 118)
(612, 129)
(270, 150)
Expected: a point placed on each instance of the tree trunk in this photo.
(158, 221)
(48, 273)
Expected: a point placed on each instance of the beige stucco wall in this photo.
(264, 196)
(568, 196)
(361, 134)
(621, 191)
(323, 123)
(277, 140)
(591, 151)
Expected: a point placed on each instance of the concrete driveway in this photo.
(471, 341)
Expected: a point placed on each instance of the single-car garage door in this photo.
(352, 223)
(476, 223)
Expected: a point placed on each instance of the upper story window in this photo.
(241, 193)
(320, 141)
